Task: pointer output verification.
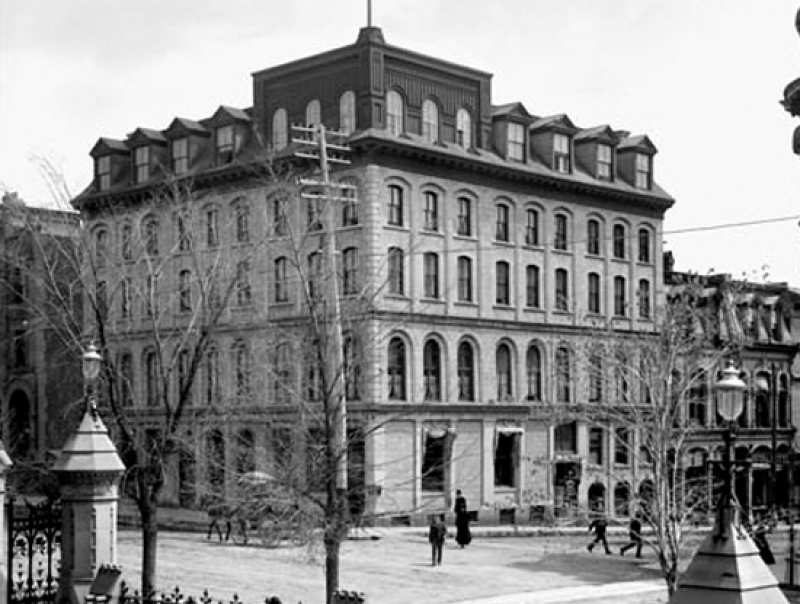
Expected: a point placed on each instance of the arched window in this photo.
(502, 225)
(644, 299)
(347, 112)
(151, 376)
(783, 402)
(619, 242)
(394, 112)
(595, 369)
(185, 291)
(282, 375)
(280, 135)
(432, 371)
(241, 369)
(126, 239)
(533, 368)
(281, 283)
(562, 290)
(350, 271)
(464, 128)
(620, 303)
(396, 283)
(561, 236)
(212, 226)
(763, 383)
(464, 225)
(430, 121)
(503, 368)
(593, 237)
(314, 275)
(126, 379)
(430, 211)
(213, 386)
(396, 369)
(244, 292)
(241, 213)
(150, 235)
(280, 224)
(313, 113)
(352, 368)
(184, 385)
(532, 227)
(466, 372)
(563, 375)
(644, 245)
(395, 207)
(622, 496)
(698, 393)
(430, 261)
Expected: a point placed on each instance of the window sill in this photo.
(466, 303)
(431, 233)
(395, 296)
(499, 306)
(280, 303)
(428, 300)
(537, 247)
(504, 243)
(564, 313)
(396, 227)
(464, 237)
(562, 252)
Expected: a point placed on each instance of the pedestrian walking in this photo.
(760, 539)
(599, 526)
(436, 537)
(634, 536)
(463, 534)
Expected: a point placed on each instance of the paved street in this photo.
(396, 569)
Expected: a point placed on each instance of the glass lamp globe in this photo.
(730, 394)
(91, 363)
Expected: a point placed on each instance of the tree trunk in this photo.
(332, 547)
(148, 511)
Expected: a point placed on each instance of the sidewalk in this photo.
(580, 593)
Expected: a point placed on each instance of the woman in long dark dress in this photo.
(463, 536)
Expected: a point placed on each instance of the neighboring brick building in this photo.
(40, 373)
(493, 240)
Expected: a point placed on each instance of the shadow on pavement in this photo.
(592, 568)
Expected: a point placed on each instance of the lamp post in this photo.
(730, 402)
(727, 566)
(91, 370)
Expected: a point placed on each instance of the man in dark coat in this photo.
(463, 535)
(599, 526)
(635, 536)
(436, 537)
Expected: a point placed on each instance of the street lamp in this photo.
(91, 370)
(730, 402)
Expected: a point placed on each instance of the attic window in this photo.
(605, 163)
(225, 146)
(180, 156)
(464, 128)
(141, 162)
(516, 142)
(561, 154)
(103, 172)
(643, 171)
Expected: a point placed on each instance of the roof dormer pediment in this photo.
(511, 111)
(108, 146)
(228, 115)
(640, 142)
(181, 127)
(598, 134)
(558, 123)
(146, 136)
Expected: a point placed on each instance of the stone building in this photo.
(38, 383)
(493, 241)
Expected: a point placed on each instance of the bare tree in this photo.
(649, 392)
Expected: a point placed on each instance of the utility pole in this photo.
(313, 144)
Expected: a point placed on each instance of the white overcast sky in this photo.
(702, 78)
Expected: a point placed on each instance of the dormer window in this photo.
(141, 165)
(180, 156)
(103, 171)
(313, 113)
(279, 132)
(394, 112)
(225, 144)
(464, 129)
(430, 121)
(561, 154)
(605, 162)
(347, 112)
(516, 142)
(643, 171)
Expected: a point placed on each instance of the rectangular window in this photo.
(396, 271)
(180, 156)
(243, 290)
(501, 227)
(395, 206)
(561, 239)
(141, 159)
(516, 142)
(561, 154)
(279, 219)
(184, 233)
(566, 438)
(431, 212)
(505, 460)
(622, 447)
(503, 284)
(212, 227)
(314, 207)
(596, 446)
(103, 169)
(464, 217)
(619, 296)
(643, 171)
(431, 276)
(532, 287)
(350, 271)
(644, 245)
(225, 144)
(562, 290)
(281, 286)
(532, 227)
(464, 279)
(605, 165)
(434, 457)
(593, 238)
(349, 207)
(594, 293)
(644, 299)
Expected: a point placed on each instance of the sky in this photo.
(702, 78)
